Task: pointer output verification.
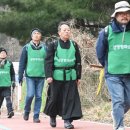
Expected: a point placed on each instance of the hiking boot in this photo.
(10, 114)
(68, 125)
(36, 120)
(53, 121)
(26, 116)
(121, 128)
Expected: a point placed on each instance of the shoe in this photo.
(121, 128)
(26, 116)
(68, 125)
(53, 121)
(36, 120)
(10, 114)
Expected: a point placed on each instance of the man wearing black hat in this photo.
(32, 62)
(7, 79)
(113, 51)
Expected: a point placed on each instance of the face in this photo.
(36, 36)
(3, 55)
(64, 32)
(123, 17)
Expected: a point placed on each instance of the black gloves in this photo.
(13, 85)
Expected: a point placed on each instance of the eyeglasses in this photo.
(122, 14)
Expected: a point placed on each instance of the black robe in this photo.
(63, 100)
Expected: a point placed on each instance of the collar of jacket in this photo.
(36, 47)
(116, 27)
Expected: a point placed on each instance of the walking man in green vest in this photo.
(113, 52)
(63, 73)
(7, 79)
(32, 62)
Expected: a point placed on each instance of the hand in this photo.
(20, 83)
(78, 82)
(49, 80)
(13, 85)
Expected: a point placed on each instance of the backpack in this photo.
(106, 30)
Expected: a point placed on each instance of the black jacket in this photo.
(102, 45)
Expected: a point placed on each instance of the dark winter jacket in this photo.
(102, 45)
(23, 60)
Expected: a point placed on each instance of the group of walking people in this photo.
(59, 63)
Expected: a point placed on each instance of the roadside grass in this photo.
(102, 113)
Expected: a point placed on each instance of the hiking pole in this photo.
(96, 66)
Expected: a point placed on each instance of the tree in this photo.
(24, 15)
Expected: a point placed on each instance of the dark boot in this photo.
(26, 116)
(36, 120)
(68, 125)
(53, 121)
(10, 114)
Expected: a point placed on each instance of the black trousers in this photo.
(63, 100)
(1, 100)
(6, 93)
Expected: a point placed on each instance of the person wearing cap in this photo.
(113, 53)
(32, 63)
(7, 79)
(63, 73)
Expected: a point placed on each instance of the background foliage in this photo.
(20, 16)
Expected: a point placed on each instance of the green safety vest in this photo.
(119, 52)
(64, 62)
(5, 78)
(35, 62)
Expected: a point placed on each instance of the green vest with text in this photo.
(119, 52)
(35, 62)
(64, 60)
(5, 79)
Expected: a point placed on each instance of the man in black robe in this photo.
(63, 73)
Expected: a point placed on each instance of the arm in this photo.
(49, 60)
(22, 63)
(78, 62)
(12, 72)
(12, 75)
(101, 48)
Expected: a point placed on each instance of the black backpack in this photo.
(106, 30)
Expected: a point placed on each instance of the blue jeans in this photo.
(34, 88)
(119, 89)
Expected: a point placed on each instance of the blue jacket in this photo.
(23, 59)
(102, 45)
